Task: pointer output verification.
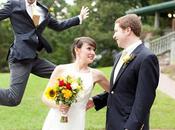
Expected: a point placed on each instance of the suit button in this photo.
(112, 92)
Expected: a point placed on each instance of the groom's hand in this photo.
(90, 104)
(84, 13)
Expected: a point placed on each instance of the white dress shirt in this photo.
(38, 11)
(127, 51)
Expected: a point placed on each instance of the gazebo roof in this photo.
(162, 8)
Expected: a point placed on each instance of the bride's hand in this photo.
(63, 108)
(90, 104)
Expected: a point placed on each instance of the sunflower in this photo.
(51, 93)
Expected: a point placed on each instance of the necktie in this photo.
(124, 53)
(35, 15)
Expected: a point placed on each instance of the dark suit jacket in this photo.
(27, 38)
(132, 95)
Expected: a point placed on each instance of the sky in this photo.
(69, 1)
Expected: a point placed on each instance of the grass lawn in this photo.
(30, 114)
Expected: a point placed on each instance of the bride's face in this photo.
(86, 53)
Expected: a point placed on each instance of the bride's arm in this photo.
(100, 78)
(51, 103)
(99, 101)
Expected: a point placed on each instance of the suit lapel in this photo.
(23, 7)
(114, 66)
(45, 10)
(43, 7)
(122, 69)
(124, 66)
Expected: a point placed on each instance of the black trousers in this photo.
(19, 74)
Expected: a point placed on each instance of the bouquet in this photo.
(65, 91)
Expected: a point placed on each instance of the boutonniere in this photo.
(128, 58)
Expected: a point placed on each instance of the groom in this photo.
(133, 82)
(29, 18)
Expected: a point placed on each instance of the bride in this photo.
(83, 50)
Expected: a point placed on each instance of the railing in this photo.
(162, 44)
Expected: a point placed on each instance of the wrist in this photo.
(80, 18)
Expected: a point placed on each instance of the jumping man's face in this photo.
(31, 1)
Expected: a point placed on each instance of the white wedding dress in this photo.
(77, 111)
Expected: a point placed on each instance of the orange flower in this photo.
(67, 93)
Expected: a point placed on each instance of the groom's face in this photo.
(31, 1)
(120, 35)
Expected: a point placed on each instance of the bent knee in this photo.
(14, 101)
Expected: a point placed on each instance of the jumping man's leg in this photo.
(19, 74)
(43, 68)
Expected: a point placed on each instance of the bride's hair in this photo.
(78, 42)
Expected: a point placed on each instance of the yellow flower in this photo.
(128, 58)
(67, 93)
(51, 93)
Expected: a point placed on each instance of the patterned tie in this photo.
(124, 53)
(35, 15)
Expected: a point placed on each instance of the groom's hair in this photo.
(78, 43)
(130, 20)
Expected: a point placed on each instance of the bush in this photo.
(149, 32)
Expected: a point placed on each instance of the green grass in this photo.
(30, 114)
(163, 112)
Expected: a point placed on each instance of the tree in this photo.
(99, 26)
(6, 38)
